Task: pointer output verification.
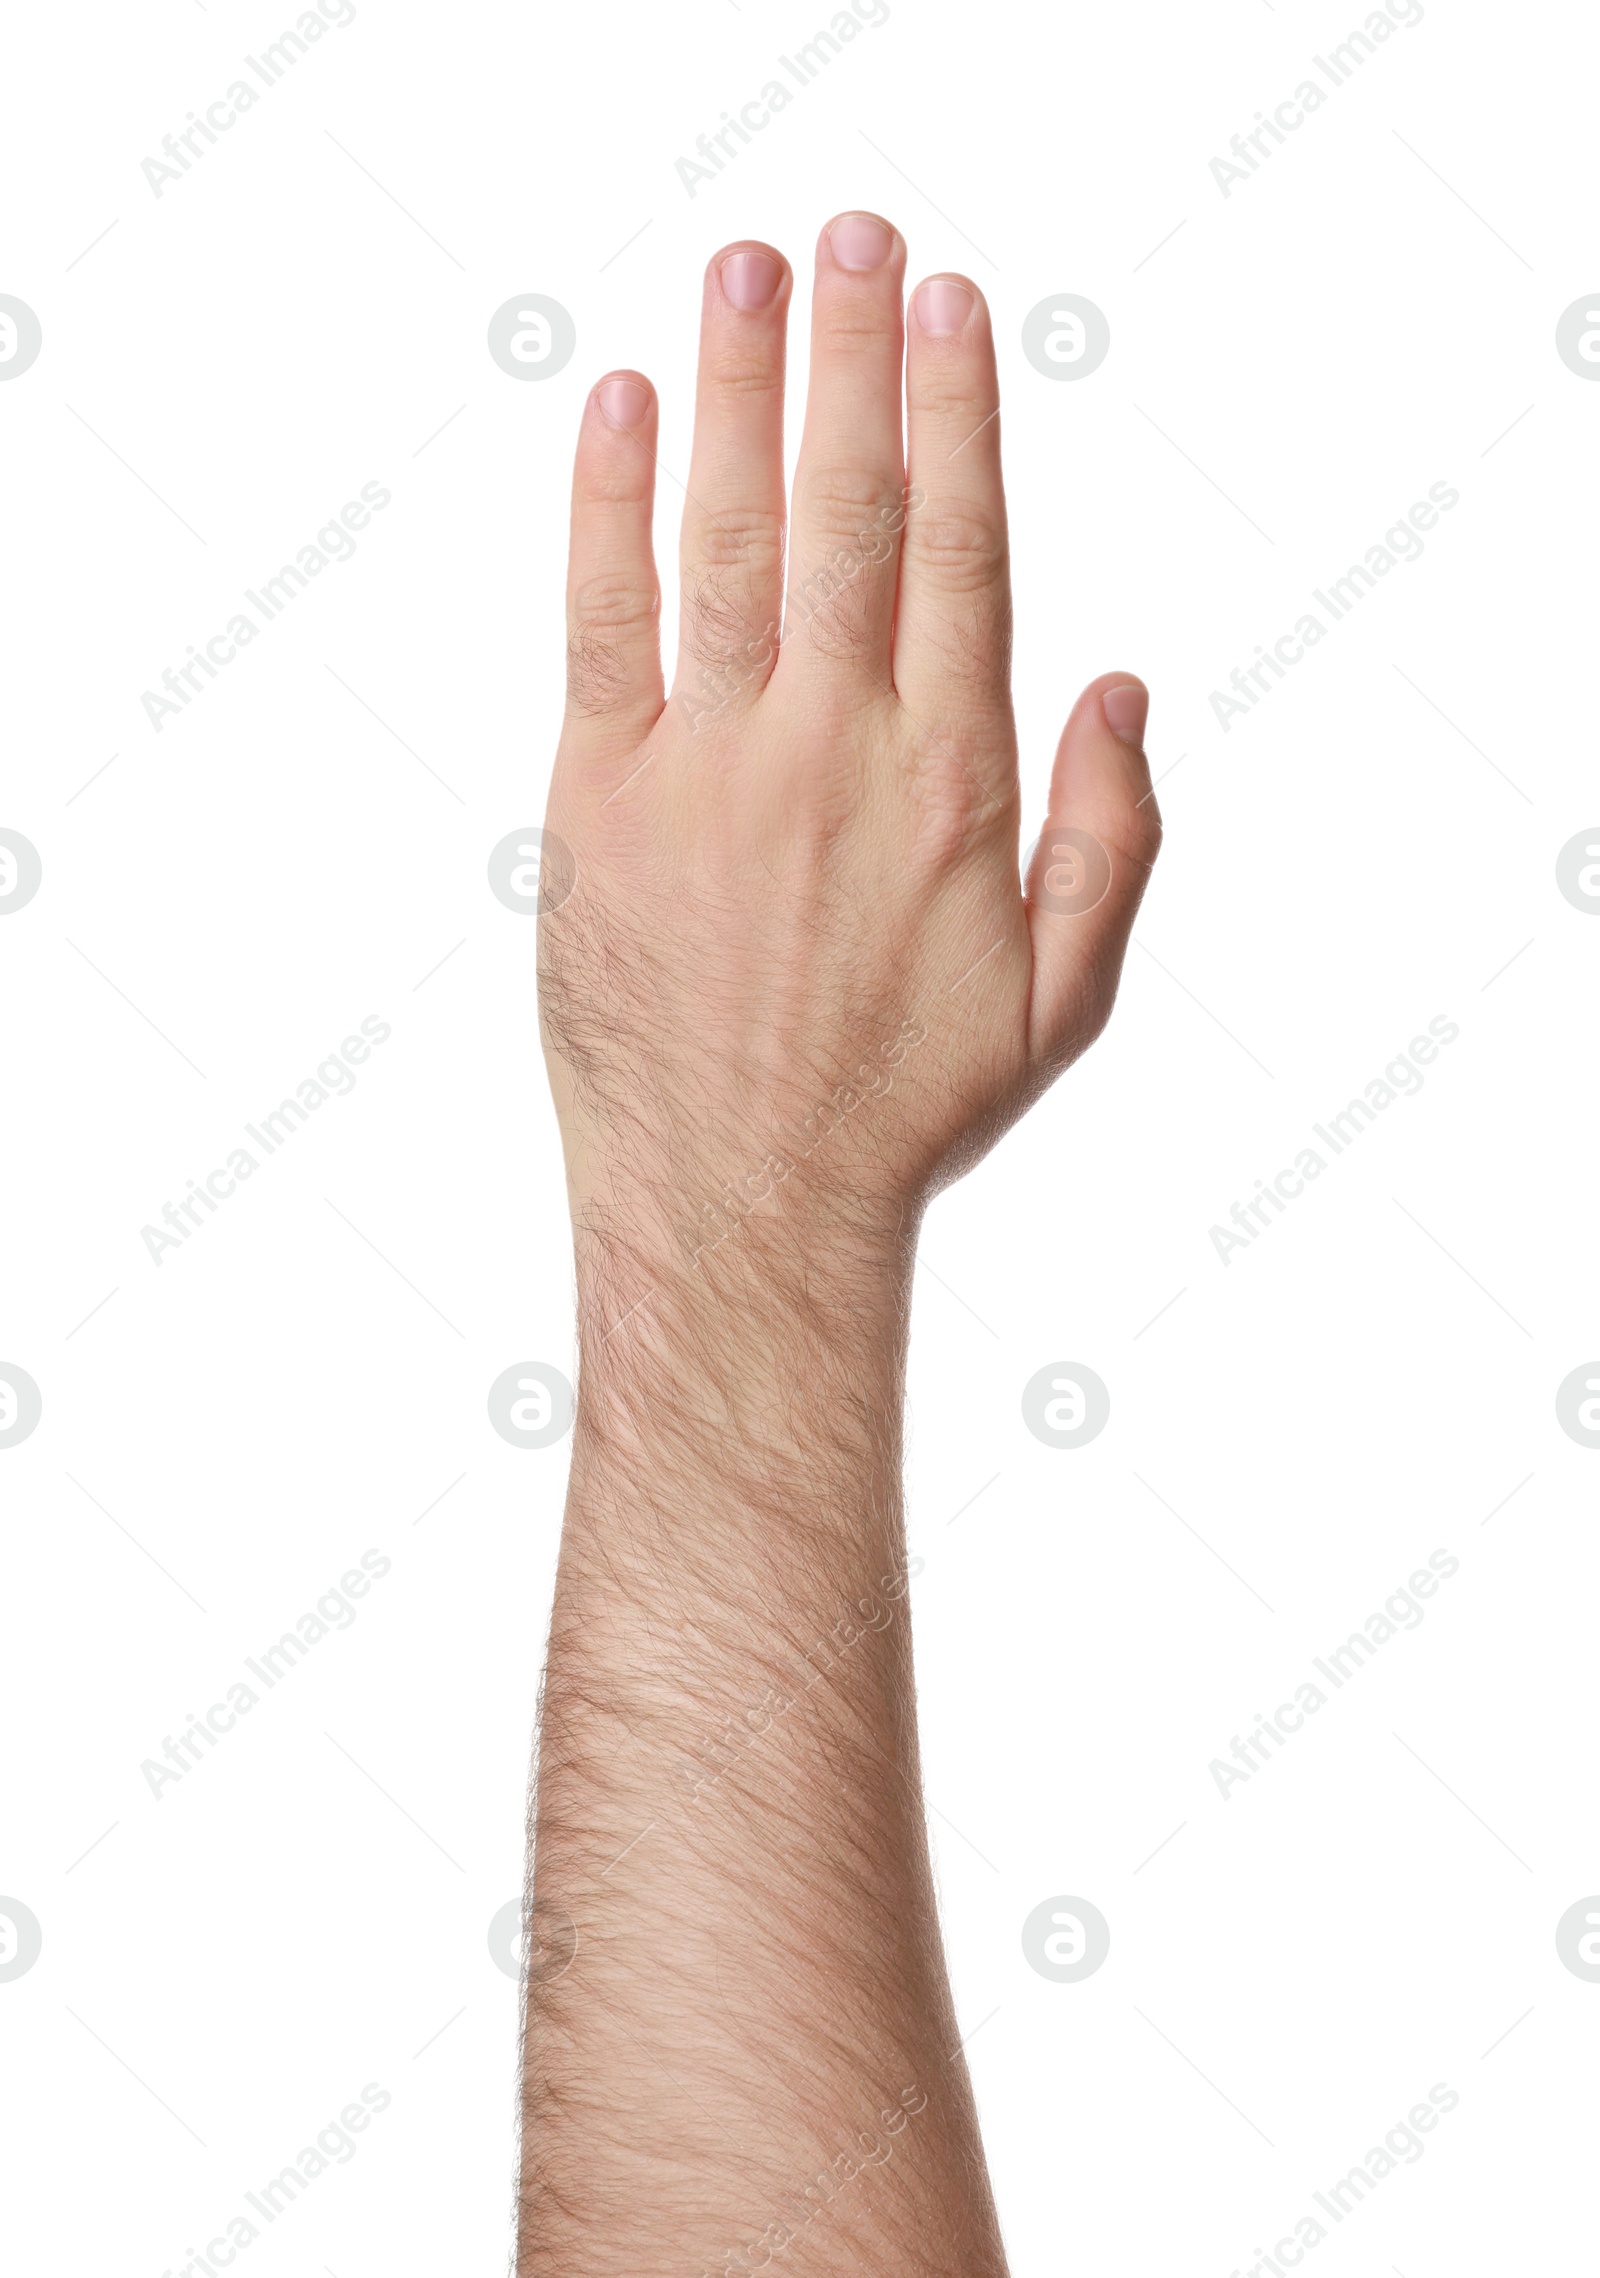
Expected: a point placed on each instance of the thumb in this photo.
(1090, 867)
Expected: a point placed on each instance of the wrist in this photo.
(796, 1263)
(705, 1190)
(776, 1352)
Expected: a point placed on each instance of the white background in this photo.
(306, 1911)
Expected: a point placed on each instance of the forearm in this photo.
(752, 2053)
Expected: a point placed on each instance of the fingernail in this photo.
(1126, 709)
(860, 241)
(751, 280)
(943, 307)
(623, 402)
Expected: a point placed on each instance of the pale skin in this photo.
(795, 988)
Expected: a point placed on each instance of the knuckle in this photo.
(607, 612)
(622, 482)
(728, 581)
(1132, 839)
(861, 332)
(746, 538)
(949, 800)
(614, 601)
(961, 553)
(755, 376)
(950, 397)
(858, 326)
(851, 522)
(1141, 833)
(840, 504)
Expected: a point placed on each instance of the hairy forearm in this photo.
(750, 2054)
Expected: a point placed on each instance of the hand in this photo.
(797, 982)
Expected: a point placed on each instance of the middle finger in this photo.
(848, 486)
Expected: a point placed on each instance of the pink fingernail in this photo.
(751, 280)
(943, 307)
(1126, 709)
(623, 402)
(860, 241)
